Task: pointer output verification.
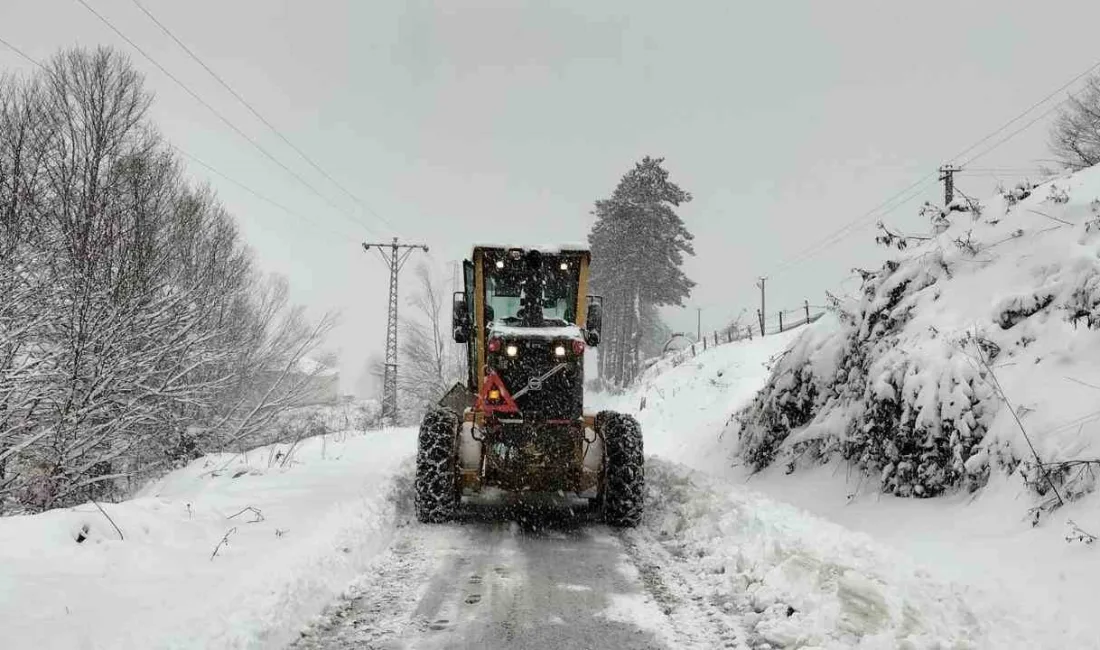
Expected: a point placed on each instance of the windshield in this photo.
(519, 296)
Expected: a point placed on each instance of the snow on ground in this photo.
(964, 573)
(982, 540)
(684, 403)
(794, 580)
(325, 513)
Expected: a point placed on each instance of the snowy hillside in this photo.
(984, 539)
(976, 353)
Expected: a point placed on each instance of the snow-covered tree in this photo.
(1075, 133)
(135, 332)
(638, 245)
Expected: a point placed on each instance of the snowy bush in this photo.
(1057, 194)
(1084, 300)
(911, 416)
(1014, 309)
(911, 381)
(1019, 192)
(794, 406)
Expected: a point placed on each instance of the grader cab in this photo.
(527, 321)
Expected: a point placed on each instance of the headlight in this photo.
(511, 350)
(559, 351)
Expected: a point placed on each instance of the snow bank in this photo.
(291, 527)
(796, 581)
(920, 382)
(683, 403)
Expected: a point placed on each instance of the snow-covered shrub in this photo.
(1057, 194)
(1094, 222)
(967, 204)
(923, 422)
(937, 216)
(793, 407)
(1019, 192)
(912, 416)
(1084, 300)
(1014, 309)
(949, 366)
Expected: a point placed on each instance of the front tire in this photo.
(437, 467)
(624, 469)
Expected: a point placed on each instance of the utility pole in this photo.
(394, 254)
(763, 311)
(698, 323)
(947, 175)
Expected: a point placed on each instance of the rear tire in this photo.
(624, 469)
(437, 467)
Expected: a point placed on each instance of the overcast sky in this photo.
(464, 122)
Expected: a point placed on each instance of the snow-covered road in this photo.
(711, 567)
(545, 578)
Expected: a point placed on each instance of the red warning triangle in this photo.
(504, 403)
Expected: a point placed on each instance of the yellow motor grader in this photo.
(527, 320)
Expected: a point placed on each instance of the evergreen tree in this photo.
(638, 245)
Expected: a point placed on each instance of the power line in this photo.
(221, 117)
(251, 191)
(853, 225)
(1018, 131)
(184, 153)
(21, 53)
(1037, 104)
(256, 113)
(847, 229)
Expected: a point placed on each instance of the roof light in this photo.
(559, 351)
(512, 350)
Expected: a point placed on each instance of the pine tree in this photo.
(638, 245)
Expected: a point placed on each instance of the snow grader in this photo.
(518, 423)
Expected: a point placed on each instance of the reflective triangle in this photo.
(493, 380)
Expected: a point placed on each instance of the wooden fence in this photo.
(781, 321)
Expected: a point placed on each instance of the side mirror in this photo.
(460, 318)
(593, 321)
